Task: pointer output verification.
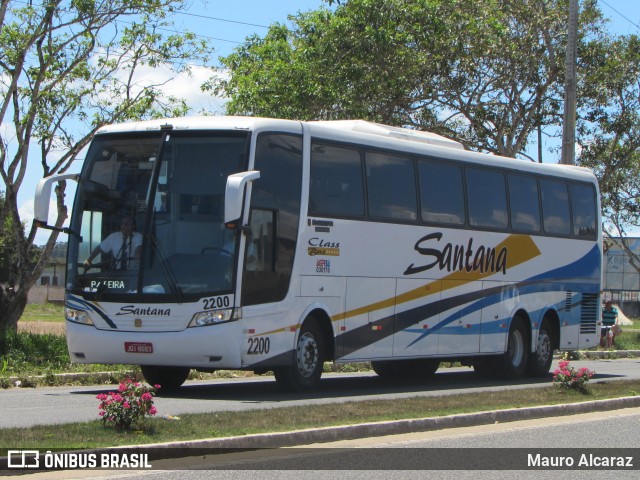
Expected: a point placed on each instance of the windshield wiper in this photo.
(166, 269)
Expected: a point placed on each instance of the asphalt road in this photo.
(23, 407)
(499, 452)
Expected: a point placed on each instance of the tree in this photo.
(610, 132)
(66, 69)
(486, 73)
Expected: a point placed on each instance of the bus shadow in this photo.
(337, 386)
(264, 389)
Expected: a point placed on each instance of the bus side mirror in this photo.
(234, 194)
(43, 196)
(42, 199)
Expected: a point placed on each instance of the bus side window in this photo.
(525, 206)
(274, 216)
(583, 207)
(441, 193)
(336, 185)
(487, 198)
(391, 187)
(555, 207)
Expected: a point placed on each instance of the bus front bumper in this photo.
(211, 347)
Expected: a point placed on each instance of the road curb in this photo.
(377, 429)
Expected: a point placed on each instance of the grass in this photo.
(224, 424)
(47, 312)
(629, 339)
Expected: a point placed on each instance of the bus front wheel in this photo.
(308, 360)
(169, 378)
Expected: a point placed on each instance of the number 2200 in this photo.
(258, 346)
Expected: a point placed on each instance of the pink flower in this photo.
(153, 411)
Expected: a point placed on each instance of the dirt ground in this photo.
(56, 328)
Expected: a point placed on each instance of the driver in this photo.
(124, 246)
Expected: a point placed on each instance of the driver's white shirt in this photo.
(113, 244)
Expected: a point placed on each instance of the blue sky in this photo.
(227, 23)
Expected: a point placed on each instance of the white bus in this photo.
(277, 245)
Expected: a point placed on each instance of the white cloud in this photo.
(186, 85)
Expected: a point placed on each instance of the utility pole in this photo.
(569, 119)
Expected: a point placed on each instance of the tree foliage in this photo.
(610, 132)
(486, 73)
(67, 67)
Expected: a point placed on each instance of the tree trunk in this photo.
(12, 305)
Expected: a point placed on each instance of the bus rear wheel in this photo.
(169, 378)
(513, 363)
(540, 361)
(305, 372)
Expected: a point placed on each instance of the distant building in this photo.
(621, 280)
(53, 274)
(50, 285)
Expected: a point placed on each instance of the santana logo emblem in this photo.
(137, 323)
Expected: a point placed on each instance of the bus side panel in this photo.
(498, 306)
(417, 323)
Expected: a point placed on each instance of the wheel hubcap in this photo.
(516, 348)
(307, 357)
(544, 347)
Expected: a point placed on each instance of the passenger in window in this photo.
(123, 246)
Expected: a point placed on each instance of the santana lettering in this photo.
(459, 257)
(133, 310)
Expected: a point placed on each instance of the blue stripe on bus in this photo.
(84, 305)
(536, 284)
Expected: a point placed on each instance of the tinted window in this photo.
(274, 216)
(441, 193)
(487, 198)
(336, 182)
(391, 187)
(555, 207)
(525, 206)
(583, 207)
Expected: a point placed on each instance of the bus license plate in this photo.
(137, 347)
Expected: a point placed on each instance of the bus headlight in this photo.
(212, 317)
(77, 316)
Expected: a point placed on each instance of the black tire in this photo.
(169, 378)
(308, 360)
(513, 363)
(406, 369)
(539, 362)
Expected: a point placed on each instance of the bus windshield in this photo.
(150, 210)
